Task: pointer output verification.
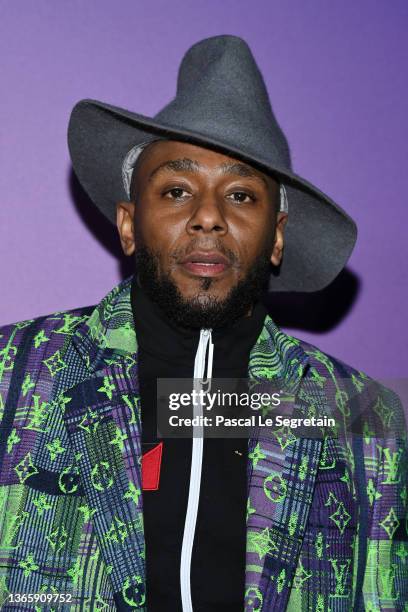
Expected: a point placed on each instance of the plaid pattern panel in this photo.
(103, 423)
(47, 540)
(326, 519)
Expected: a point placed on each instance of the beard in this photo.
(204, 309)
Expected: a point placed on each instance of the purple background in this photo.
(336, 73)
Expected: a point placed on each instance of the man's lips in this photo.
(205, 263)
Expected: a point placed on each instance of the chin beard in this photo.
(204, 309)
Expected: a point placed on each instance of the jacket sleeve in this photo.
(385, 575)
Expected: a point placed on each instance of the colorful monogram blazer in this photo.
(326, 517)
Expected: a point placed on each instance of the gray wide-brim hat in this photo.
(221, 103)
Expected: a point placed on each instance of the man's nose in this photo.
(208, 216)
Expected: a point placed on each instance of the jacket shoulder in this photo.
(319, 361)
(63, 322)
(352, 389)
(31, 353)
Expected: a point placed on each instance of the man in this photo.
(97, 509)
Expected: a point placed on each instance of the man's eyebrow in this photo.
(176, 165)
(185, 164)
(241, 170)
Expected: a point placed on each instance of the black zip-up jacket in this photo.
(218, 559)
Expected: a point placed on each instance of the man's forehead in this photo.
(173, 155)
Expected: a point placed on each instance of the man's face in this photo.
(204, 227)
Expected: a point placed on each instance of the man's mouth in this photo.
(205, 263)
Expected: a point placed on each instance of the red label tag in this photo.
(151, 462)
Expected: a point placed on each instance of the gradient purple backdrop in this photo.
(336, 74)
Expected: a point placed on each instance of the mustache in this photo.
(180, 254)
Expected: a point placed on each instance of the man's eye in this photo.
(241, 197)
(177, 193)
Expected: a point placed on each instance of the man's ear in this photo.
(124, 220)
(277, 252)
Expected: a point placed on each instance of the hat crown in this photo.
(224, 61)
(219, 83)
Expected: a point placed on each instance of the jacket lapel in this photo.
(281, 476)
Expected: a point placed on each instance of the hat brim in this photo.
(319, 234)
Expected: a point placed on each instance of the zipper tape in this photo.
(205, 343)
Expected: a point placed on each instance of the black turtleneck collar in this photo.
(162, 338)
